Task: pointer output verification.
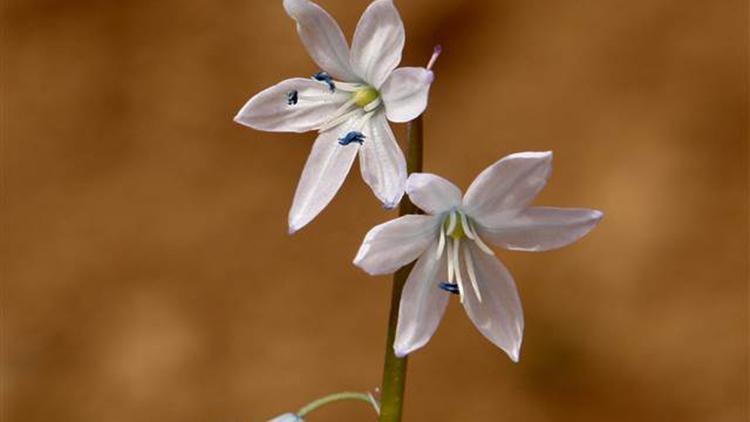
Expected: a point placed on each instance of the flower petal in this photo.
(393, 244)
(431, 193)
(422, 304)
(382, 162)
(322, 37)
(508, 186)
(271, 111)
(499, 315)
(326, 168)
(378, 42)
(542, 228)
(287, 417)
(405, 93)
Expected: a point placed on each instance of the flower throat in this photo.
(364, 96)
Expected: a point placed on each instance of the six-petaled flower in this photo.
(452, 256)
(349, 103)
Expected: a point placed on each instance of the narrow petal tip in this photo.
(390, 205)
(515, 353)
(292, 6)
(535, 154)
(294, 227)
(400, 352)
(238, 119)
(393, 201)
(369, 271)
(543, 155)
(357, 261)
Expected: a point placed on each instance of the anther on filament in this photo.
(450, 287)
(435, 54)
(292, 97)
(352, 136)
(325, 77)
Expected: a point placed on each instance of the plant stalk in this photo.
(394, 369)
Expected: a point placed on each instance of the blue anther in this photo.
(292, 97)
(325, 77)
(450, 288)
(352, 136)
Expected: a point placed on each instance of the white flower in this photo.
(452, 256)
(349, 103)
(287, 417)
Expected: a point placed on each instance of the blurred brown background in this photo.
(147, 273)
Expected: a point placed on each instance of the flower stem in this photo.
(394, 370)
(336, 397)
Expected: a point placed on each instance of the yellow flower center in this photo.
(458, 230)
(365, 96)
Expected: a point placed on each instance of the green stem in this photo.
(394, 370)
(346, 395)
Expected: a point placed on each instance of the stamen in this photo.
(352, 136)
(338, 120)
(322, 76)
(346, 106)
(373, 104)
(457, 268)
(450, 261)
(478, 240)
(325, 77)
(472, 273)
(292, 97)
(339, 116)
(449, 287)
(465, 224)
(366, 118)
(451, 223)
(348, 87)
(453, 226)
(317, 98)
(435, 54)
(441, 243)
